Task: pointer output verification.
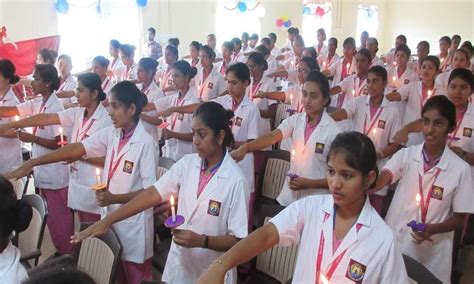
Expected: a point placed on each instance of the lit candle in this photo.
(324, 65)
(441, 59)
(394, 64)
(353, 92)
(24, 91)
(430, 92)
(173, 213)
(394, 78)
(97, 176)
(291, 99)
(17, 118)
(159, 82)
(61, 136)
(417, 202)
(293, 154)
(347, 67)
(323, 279)
(374, 131)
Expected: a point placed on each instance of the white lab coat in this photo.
(331, 65)
(136, 170)
(266, 85)
(464, 137)
(296, 103)
(178, 122)
(455, 184)
(409, 76)
(69, 84)
(338, 71)
(322, 50)
(212, 87)
(442, 81)
(82, 175)
(107, 86)
(11, 156)
(51, 176)
(385, 125)
(164, 78)
(244, 128)
(310, 158)
(373, 246)
(129, 74)
(11, 270)
(228, 190)
(116, 65)
(153, 93)
(376, 61)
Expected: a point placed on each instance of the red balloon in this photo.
(320, 11)
(279, 23)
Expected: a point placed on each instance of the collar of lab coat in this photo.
(190, 94)
(223, 171)
(136, 137)
(364, 218)
(442, 164)
(325, 119)
(99, 112)
(10, 95)
(51, 100)
(384, 103)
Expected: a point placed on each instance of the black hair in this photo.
(299, 39)
(323, 83)
(424, 44)
(173, 49)
(48, 74)
(312, 50)
(127, 49)
(228, 45)
(214, 116)
(258, 59)
(349, 41)
(48, 55)
(152, 30)
(323, 32)
(236, 41)
(173, 41)
(445, 108)
(334, 40)
(246, 35)
(446, 39)
(311, 62)
(262, 49)
(403, 48)
(433, 59)
(101, 60)
(254, 37)
(379, 71)
(66, 58)
(403, 38)
(266, 41)
(463, 74)
(57, 274)
(127, 93)
(185, 68)
(357, 150)
(240, 70)
(213, 36)
(115, 44)
(365, 33)
(149, 65)
(365, 53)
(7, 69)
(464, 52)
(92, 82)
(15, 215)
(209, 51)
(272, 36)
(293, 31)
(456, 37)
(196, 45)
(374, 40)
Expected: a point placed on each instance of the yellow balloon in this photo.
(285, 18)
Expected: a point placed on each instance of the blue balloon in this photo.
(306, 11)
(62, 6)
(287, 24)
(242, 7)
(142, 3)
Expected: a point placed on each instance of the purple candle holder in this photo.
(292, 176)
(178, 222)
(420, 227)
(291, 111)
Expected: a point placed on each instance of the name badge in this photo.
(238, 121)
(181, 116)
(319, 148)
(437, 192)
(214, 208)
(210, 85)
(170, 82)
(381, 124)
(128, 167)
(355, 271)
(406, 81)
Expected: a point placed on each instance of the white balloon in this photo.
(260, 11)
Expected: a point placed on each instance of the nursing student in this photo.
(320, 47)
(312, 131)
(441, 180)
(328, 61)
(68, 84)
(11, 156)
(51, 180)
(146, 84)
(99, 66)
(85, 120)
(238, 55)
(373, 46)
(15, 217)
(444, 56)
(341, 238)
(288, 68)
(422, 50)
(400, 74)
(115, 64)
(178, 134)
(212, 197)
(130, 165)
(129, 70)
(163, 76)
(414, 95)
(347, 65)
(209, 82)
(377, 118)
(461, 59)
(194, 59)
(227, 51)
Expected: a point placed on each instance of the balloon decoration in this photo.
(319, 11)
(62, 6)
(283, 22)
(142, 3)
(248, 5)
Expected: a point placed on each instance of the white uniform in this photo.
(129, 73)
(165, 79)
(310, 158)
(239, 57)
(82, 175)
(275, 52)
(462, 136)
(369, 252)
(11, 270)
(409, 76)
(266, 85)
(212, 87)
(69, 84)
(381, 128)
(221, 209)
(153, 93)
(376, 61)
(296, 103)
(197, 65)
(178, 122)
(272, 66)
(116, 66)
(243, 127)
(221, 68)
(338, 71)
(107, 86)
(331, 65)
(11, 156)
(442, 81)
(51, 176)
(450, 185)
(135, 167)
(322, 50)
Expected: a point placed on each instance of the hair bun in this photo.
(23, 216)
(102, 95)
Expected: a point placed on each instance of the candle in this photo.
(173, 213)
(417, 202)
(159, 82)
(17, 118)
(374, 131)
(347, 67)
(291, 99)
(441, 59)
(97, 176)
(353, 92)
(394, 64)
(324, 65)
(430, 92)
(24, 91)
(394, 78)
(323, 279)
(61, 136)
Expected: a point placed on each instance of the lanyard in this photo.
(212, 171)
(203, 82)
(425, 203)
(178, 103)
(372, 121)
(43, 107)
(359, 88)
(80, 135)
(105, 83)
(63, 84)
(114, 163)
(456, 130)
(254, 89)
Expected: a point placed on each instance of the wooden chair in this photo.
(418, 272)
(164, 165)
(281, 114)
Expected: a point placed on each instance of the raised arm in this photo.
(44, 119)
(257, 144)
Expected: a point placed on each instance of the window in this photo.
(315, 17)
(231, 22)
(87, 29)
(367, 20)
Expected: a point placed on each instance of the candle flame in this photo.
(442, 59)
(430, 92)
(395, 63)
(374, 131)
(353, 92)
(394, 78)
(172, 200)
(293, 152)
(291, 97)
(418, 199)
(17, 118)
(97, 171)
(323, 279)
(348, 66)
(60, 130)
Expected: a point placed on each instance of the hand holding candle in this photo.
(97, 176)
(173, 209)
(62, 142)
(174, 220)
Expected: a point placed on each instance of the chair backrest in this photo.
(164, 164)
(31, 239)
(417, 272)
(18, 186)
(281, 113)
(277, 165)
(278, 262)
(99, 256)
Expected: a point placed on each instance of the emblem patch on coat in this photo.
(319, 148)
(355, 271)
(437, 192)
(381, 124)
(210, 85)
(214, 208)
(181, 116)
(238, 121)
(467, 132)
(128, 167)
(170, 82)
(406, 81)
